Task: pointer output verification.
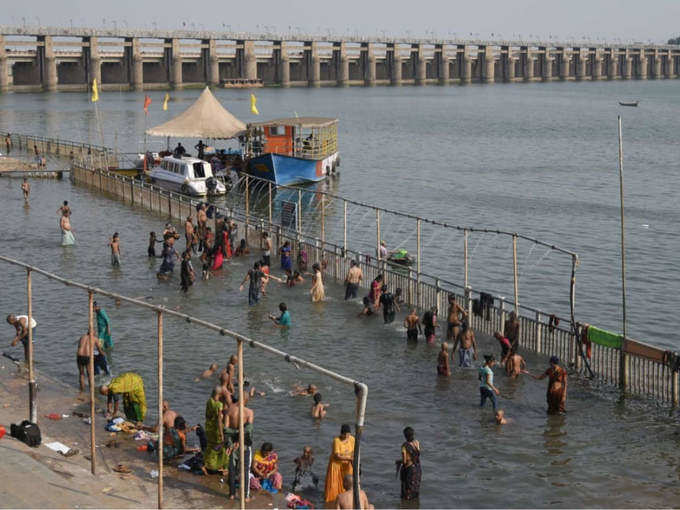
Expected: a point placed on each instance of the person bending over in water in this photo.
(294, 279)
(301, 391)
(207, 374)
(366, 310)
(443, 361)
(412, 325)
(468, 348)
(283, 320)
(515, 365)
(318, 408)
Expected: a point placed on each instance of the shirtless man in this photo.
(443, 367)
(26, 189)
(64, 210)
(318, 407)
(114, 243)
(500, 417)
(230, 372)
(412, 325)
(515, 365)
(453, 320)
(20, 323)
(189, 232)
(352, 280)
(345, 501)
(468, 348)
(232, 422)
(267, 249)
(207, 374)
(202, 220)
(83, 357)
(301, 391)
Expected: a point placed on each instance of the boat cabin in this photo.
(190, 168)
(313, 138)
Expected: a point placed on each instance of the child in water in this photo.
(114, 243)
(304, 477)
(151, 251)
(318, 408)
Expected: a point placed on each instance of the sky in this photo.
(611, 20)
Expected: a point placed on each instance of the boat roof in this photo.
(303, 122)
(185, 159)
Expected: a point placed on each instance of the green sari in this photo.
(215, 455)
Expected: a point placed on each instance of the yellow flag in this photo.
(253, 104)
(95, 92)
(165, 101)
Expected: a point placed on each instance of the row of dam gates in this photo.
(50, 59)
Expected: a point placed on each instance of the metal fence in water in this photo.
(638, 368)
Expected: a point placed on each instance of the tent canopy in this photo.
(206, 118)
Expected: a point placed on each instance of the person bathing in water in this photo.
(207, 374)
(318, 407)
(114, 243)
(412, 325)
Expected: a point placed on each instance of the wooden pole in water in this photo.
(418, 261)
(465, 256)
(623, 365)
(241, 432)
(247, 205)
(161, 425)
(344, 226)
(90, 299)
(515, 273)
(32, 390)
(377, 234)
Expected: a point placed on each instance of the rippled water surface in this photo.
(539, 159)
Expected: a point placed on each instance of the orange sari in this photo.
(337, 469)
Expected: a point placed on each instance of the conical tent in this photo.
(206, 118)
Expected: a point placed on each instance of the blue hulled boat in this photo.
(292, 151)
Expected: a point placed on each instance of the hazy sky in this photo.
(639, 20)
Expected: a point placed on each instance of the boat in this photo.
(629, 103)
(189, 176)
(293, 150)
(400, 258)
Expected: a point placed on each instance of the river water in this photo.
(539, 159)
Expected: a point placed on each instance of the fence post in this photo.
(468, 304)
(502, 321)
(438, 295)
(344, 226)
(674, 388)
(465, 256)
(161, 425)
(323, 222)
(247, 206)
(418, 257)
(32, 390)
(377, 236)
(539, 333)
(241, 433)
(270, 207)
(515, 272)
(90, 311)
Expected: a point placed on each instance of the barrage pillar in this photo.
(136, 64)
(48, 63)
(248, 59)
(341, 63)
(528, 64)
(670, 64)
(421, 64)
(443, 70)
(597, 65)
(613, 69)
(489, 65)
(628, 67)
(510, 63)
(642, 72)
(283, 62)
(213, 63)
(546, 64)
(657, 65)
(368, 49)
(313, 63)
(396, 63)
(176, 72)
(466, 65)
(565, 57)
(4, 67)
(580, 65)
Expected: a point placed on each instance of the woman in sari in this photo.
(318, 292)
(339, 464)
(131, 387)
(374, 294)
(215, 456)
(557, 386)
(409, 466)
(266, 467)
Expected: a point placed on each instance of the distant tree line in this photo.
(674, 41)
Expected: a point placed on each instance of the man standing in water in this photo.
(114, 243)
(233, 417)
(353, 279)
(412, 325)
(187, 275)
(67, 237)
(26, 189)
(267, 255)
(468, 348)
(515, 365)
(103, 326)
(511, 331)
(388, 305)
(430, 323)
(189, 232)
(453, 320)
(256, 276)
(202, 221)
(83, 357)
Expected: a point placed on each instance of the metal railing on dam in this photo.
(638, 368)
(148, 59)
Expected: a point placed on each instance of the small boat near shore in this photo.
(189, 176)
(629, 103)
